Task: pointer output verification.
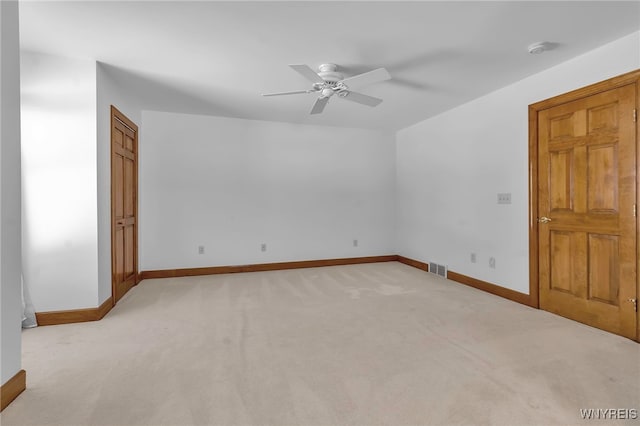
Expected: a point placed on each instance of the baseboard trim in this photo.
(14, 387)
(75, 315)
(213, 270)
(488, 287)
(96, 314)
(414, 263)
(497, 290)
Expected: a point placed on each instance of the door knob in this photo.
(544, 219)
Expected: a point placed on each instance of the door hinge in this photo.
(635, 115)
(634, 210)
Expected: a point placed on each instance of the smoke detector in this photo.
(538, 48)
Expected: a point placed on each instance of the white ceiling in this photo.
(217, 58)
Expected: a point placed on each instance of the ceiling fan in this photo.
(328, 82)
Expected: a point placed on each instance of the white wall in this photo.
(66, 167)
(60, 250)
(231, 185)
(10, 252)
(451, 167)
(109, 92)
(305, 191)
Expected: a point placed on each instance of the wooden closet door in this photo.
(586, 210)
(124, 204)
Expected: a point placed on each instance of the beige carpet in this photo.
(377, 344)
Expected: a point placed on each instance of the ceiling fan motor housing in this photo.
(329, 73)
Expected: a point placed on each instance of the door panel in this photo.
(587, 187)
(119, 273)
(129, 261)
(561, 168)
(604, 268)
(124, 190)
(565, 277)
(129, 190)
(602, 184)
(118, 182)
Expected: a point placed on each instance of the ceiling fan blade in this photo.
(361, 99)
(289, 93)
(370, 77)
(308, 73)
(318, 107)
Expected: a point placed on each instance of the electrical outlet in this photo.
(200, 249)
(473, 258)
(492, 262)
(355, 243)
(263, 247)
(504, 198)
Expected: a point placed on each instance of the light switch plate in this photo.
(504, 198)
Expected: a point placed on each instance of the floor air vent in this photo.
(436, 268)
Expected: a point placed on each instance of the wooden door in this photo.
(124, 204)
(586, 210)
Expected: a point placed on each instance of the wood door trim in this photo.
(123, 119)
(533, 208)
(126, 123)
(12, 388)
(592, 89)
(117, 115)
(632, 77)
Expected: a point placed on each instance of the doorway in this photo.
(583, 204)
(124, 204)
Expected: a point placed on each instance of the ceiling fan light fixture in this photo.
(327, 92)
(327, 82)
